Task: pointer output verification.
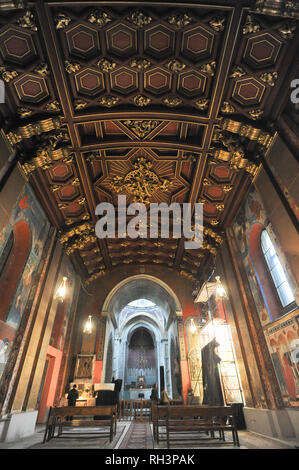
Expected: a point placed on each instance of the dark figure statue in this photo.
(154, 394)
(210, 375)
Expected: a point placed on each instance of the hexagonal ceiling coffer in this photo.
(68, 193)
(31, 88)
(197, 43)
(121, 40)
(17, 46)
(191, 83)
(157, 80)
(248, 91)
(61, 172)
(262, 50)
(214, 193)
(83, 41)
(221, 173)
(124, 80)
(159, 41)
(89, 81)
(74, 210)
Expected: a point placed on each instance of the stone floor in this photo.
(138, 435)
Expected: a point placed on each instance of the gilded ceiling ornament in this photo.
(11, 5)
(27, 21)
(140, 64)
(172, 101)
(31, 129)
(70, 221)
(217, 23)
(277, 8)
(62, 21)
(139, 19)
(140, 100)
(209, 68)
(141, 128)
(141, 182)
(175, 66)
(187, 275)
(75, 182)
(79, 104)
(214, 222)
(55, 187)
(251, 26)
(269, 78)
(220, 207)
(42, 69)
(69, 158)
(100, 17)
(47, 151)
(71, 67)
(81, 200)
(247, 130)
(179, 20)
(62, 205)
(7, 75)
(237, 72)
(287, 30)
(94, 277)
(227, 108)
(227, 188)
(86, 217)
(109, 101)
(53, 106)
(106, 65)
(201, 200)
(92, 156)
(191, 157)
(24, 112)
(255, 113)
(202, 104)
(206, 182)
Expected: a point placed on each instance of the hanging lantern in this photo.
(220, 291)
(61, 291)
(192, 326)
(88, 326)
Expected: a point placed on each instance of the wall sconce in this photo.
(88, 326)
(61, 291)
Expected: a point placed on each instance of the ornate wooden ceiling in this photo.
(183, 93)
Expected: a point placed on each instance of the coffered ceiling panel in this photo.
(155, 101)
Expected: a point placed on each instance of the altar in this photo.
(137, 394)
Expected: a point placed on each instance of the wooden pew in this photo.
(194, 419)
(82, 416)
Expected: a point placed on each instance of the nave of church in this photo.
(149, 208)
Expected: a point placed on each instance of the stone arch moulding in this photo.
(178, 307)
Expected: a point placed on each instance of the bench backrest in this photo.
(188, 411)
(63, 411)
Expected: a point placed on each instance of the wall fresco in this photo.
(26, 209)
(283, 346)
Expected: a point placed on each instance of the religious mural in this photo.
(27, 209)
(282, 336)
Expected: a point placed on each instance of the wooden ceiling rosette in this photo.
(187, 91)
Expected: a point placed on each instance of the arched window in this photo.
(277, 272)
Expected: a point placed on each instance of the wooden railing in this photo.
(134, 410)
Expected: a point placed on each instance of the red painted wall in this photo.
(54, 356)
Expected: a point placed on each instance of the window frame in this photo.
(288, 308)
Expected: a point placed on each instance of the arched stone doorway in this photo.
(142, 314)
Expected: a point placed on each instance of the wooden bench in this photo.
(158, 416)
(194, 419)
(85, 416)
